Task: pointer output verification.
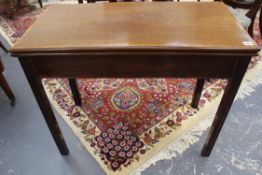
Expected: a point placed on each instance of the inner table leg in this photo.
(75, 91)
(197, 92)
(42, 100)
(40, 3)
(229, 95)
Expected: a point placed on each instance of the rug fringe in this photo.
(179, 146)
(251, 80)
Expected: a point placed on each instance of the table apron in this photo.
(133, 66)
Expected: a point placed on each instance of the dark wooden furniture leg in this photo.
(197, 93)
(229, 95)
(75, 91)
(260, 23)
(3, 47)
(5, 86)
(3, 82)
(80, 1)
(40, 3)
(18, 3)
(42, 100)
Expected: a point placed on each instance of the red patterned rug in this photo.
(14, 29)
(125, 122)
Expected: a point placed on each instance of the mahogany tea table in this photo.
(134, 40)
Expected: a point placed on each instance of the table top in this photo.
(207, 27)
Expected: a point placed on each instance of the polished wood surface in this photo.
(75, 91)
(131, 40)
(197, 93)
(184, 26)
(233, 84)
(45, 107)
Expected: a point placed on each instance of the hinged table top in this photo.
(207, 27)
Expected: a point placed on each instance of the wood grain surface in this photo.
(184, 26)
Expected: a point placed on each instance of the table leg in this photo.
(40, 3)
(42, 100)
(75, 91)
(18, 3)
(197, 92)
(229, 95)
(3, 47)
(6, 88)
(80, 1)
(260, 23)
